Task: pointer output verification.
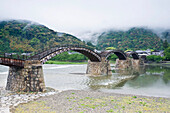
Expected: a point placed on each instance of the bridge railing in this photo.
(11, 62)
(40, 53)
(13, 56)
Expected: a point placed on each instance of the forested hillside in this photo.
(134, 38)
(25, 36)
(166, 35)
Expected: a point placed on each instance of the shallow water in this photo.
(147, 81)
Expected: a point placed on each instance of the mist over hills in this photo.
(166, 35)
(132, 38)
(27, 36)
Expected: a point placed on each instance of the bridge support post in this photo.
(137, 62)
(99, 68)
(123, 64)
(128, 63)
(27, 79)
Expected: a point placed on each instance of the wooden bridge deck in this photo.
(12, 62)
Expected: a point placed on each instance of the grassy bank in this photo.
(64, 62)
(95, 102)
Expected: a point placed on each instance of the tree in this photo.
(90, 44)
(165, 44)
(110, 48)
(112, 57)
(167, 53)
(154, 58)
(34, 41)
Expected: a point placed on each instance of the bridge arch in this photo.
(120, 54)
(46, 55)
(134, 55)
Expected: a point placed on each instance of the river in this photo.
(147, 81)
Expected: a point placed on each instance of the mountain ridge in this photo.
(28, 36)
(134, 38)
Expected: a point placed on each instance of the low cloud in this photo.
(78, 16)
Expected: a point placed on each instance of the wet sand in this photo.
(80, 101)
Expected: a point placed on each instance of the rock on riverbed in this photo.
(9, 100)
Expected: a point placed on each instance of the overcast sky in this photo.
(75, 16)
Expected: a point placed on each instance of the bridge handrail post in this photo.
(39, 57)
(17, 56)
(23, 57)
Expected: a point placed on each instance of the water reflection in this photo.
(145, 80)
(118, 79)
(163, 71)
(154, 75)
(151, 80)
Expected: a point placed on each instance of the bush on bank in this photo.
(167, 53)
(155, 58)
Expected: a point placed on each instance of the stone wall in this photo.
(137, 62)
(129, 63)
(123, 64)
(99, 68)
(28, 79)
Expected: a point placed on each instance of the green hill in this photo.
(166, 35)
(26, 36)
(134, 38)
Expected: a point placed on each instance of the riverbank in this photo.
(9, 100)
(65, 62)
(159, 64)
(79, 101)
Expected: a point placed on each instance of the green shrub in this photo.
(167, 53)
(154, 58)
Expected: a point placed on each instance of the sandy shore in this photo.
(76, 101)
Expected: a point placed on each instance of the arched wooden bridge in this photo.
(45, 55)
(26, 72)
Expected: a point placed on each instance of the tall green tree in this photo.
(167, 53)
(165, 44)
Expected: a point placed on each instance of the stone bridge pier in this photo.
(103, 67)
(123, 64)
(99, 68)
(129, 63)
(27, 79)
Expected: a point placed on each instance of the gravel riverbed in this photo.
(9, 100)
(79, 101)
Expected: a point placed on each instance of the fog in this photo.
(79, 17)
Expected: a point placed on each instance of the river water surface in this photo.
(147, 81)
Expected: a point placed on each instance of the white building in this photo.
(148, 52)
(143, 53)
(158, 53)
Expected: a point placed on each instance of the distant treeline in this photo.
(65, 56)
(76, 57)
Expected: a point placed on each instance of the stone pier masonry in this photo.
(28, 78)
(103, 67)
(99, 68)
(128, 63)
